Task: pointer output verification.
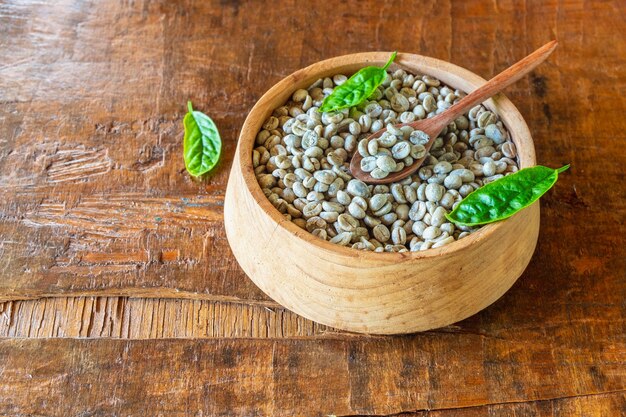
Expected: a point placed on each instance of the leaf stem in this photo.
(189, 106)
(563, 169)
(393, 56)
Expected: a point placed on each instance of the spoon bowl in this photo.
(432, 127)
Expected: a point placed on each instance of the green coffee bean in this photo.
(379, 174)
(368, 164)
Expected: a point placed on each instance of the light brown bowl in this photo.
(383, 293)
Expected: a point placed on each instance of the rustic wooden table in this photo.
(121, 296)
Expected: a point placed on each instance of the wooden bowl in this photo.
(360, 291)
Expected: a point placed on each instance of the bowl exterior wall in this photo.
(364, 291)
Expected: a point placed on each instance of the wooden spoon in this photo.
(434, 125)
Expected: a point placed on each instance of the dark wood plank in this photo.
(297, 377)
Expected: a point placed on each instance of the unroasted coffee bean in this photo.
(381, 233)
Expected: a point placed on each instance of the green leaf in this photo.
(202, 144)
(502, 198)
(357, 88)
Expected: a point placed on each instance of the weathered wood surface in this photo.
(94, 200)
(94, 196)
(559, 358)
(300, 377)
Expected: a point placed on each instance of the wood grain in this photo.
(298, 377)
(94, 200)
(145, 318)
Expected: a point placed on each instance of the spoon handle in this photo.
(500, 81)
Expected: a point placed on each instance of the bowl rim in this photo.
(247, 136)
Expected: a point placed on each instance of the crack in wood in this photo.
(491, 405)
